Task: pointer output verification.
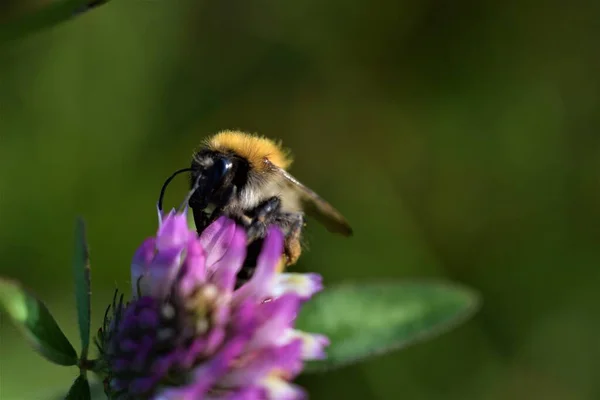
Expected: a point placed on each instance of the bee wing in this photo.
(313, 205)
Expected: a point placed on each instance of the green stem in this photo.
(54, 13)
(90, 365)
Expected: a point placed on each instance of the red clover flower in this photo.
(188, 333)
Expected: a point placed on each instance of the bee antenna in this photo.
(169, 179)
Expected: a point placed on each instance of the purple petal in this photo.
(161, 272)
(277, 316)
(280, 389)
(194, 268)
(244, 318)
(184, 393)
(214, 340)
(160, 216)
(303, 285)
(284, 359)
(261, 282)
(173, 232)
(148, 319)
(215, 239)
(128, 346)
(129, 321)
(226, 269)
(313, 345)
(141, 385)
(247, 393)
(191, 353)
(222, 313)
(161, 366)
(142, 257)
(218, 365)
(205, 375)
(120, 365)
(142, 353)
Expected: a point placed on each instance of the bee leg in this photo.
(293, 247)
(249, 266)
(263, 215)
(267, 210)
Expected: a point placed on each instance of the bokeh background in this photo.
(460, 138)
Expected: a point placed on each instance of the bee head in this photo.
(217, 177)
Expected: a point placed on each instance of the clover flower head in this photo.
(189, 333)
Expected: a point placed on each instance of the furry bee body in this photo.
(245, 177)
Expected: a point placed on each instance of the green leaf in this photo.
(364, 320)
(96, 390)
(81, 271)
(37, 324)
(80, 390)
(43, 16)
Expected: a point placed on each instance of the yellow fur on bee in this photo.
(253, 148)
(281, 265)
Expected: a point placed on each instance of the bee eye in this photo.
(220, 168)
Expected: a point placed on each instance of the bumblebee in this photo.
(245, 177)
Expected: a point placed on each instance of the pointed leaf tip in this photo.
(44, 16)
(34, 320)
(365, 320)
(81, 273)
(80, 390)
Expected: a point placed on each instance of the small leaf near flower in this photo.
(45, 16)
(364, 320)
(33, 318)
(80, 390)
(96, 390)
(81, 272)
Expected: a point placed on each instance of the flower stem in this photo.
(90, 365)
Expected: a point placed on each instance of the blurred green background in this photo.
(459, 138)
